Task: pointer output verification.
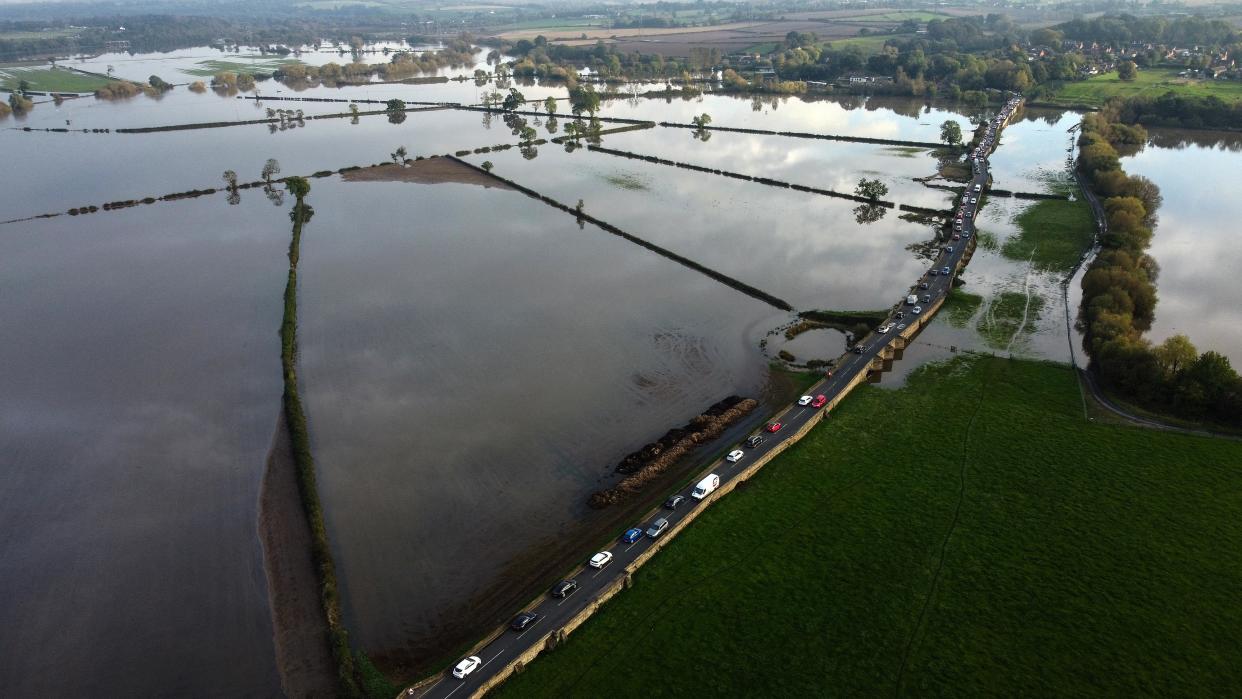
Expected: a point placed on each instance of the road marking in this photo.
(633, 544)
(446, 696)
(566, 598)
(432, 688)
(493, 658)
(528, 628)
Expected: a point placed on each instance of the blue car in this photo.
(632, 535)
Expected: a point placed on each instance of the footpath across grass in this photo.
(969, 534)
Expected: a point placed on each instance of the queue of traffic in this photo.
(635, 539)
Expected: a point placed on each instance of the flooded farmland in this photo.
(473, 361)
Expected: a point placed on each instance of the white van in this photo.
(705, 487)
(911, 300)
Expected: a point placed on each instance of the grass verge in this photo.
(1029, 552)
(1007, 314)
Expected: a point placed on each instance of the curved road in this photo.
(554, 613)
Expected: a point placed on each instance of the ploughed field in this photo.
(968, 534)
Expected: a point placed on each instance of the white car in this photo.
(735, 456)
(805, 400)
(974, 200)
(467, 666)
(883, 329)
(917, 310)
(601, 559)
(901, 327)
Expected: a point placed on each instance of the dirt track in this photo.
(300, 630)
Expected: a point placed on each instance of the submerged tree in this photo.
(951, 132)
(871, 189)
(270, 169)
(700, 126)
(549, 105)
(398, 156)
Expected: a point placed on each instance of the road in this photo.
(554, 613)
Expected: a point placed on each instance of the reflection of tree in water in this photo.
(487, 120)
(869, 213)
(274, 195)
(528, 152)
(396, 117)
(234, 197)
(551, 125)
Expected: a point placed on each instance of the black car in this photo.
(673, 502)
(859, 349)
(564, 588)
(522, 621)
(754, 441)
(924, 285)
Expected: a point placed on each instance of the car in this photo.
(467, 666)
(901, 327)
(735, 456)
(631, 535)
(882, 330)
(974, 200)
(949, 249)
(900, 314)
(564, 588)
(805, 400)
(926, 298)
(523, 621)
(773, 427)
(819, 402)
(924, 285)
(859, 349)
(673, 502)
(657, 528)
(918, 310)
(956, 236)
(944, 271)
(932, 273)
(601, 559)
(755, 440)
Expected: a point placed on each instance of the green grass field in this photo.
(1150, 83)
(45, 79)
(209, 68)
(1018, 550)
(1055, 231)
(869, 44)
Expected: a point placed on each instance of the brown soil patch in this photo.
(303, 657)
(429, 171)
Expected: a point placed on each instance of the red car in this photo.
(773, 426)
(819, 402)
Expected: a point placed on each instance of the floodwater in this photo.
(140, 390)
(1195, 242)
(473, 360)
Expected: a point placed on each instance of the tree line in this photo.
(1119, 294)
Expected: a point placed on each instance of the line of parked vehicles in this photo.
(563, 589)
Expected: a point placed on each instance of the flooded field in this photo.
(140, 392)
(473, 361)
(1198, 174)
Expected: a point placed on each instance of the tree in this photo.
(871, 189)
(584, 98)
(513, 100)
(1175, 355)
(230, 177)
(1127, 71)
(395, 105)
(487, 165)
(270, 169)
(398, 156)
(549, 105)
(951, 132)
(23, 86)
(528, 134)
(299, 187)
